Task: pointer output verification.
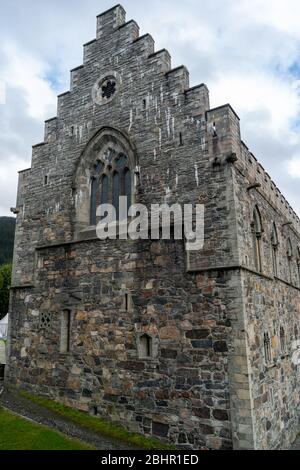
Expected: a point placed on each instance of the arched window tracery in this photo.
(111, 178)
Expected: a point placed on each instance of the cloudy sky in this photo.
(247, 51)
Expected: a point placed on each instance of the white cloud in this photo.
(260, 93)
(27, 73)
(280, 14)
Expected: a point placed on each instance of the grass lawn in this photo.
(100, 426)
(19, 434)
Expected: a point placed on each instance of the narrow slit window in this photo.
(127, 302)
(267, 348)
(180, 139)
(65, 332)
(46, 180)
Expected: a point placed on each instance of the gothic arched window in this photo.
(275, 243)
(110, 179)
(290, 258)
(257, 231)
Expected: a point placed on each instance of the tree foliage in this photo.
(7, 235)
(5, 280)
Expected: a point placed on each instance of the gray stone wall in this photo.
(271, 301)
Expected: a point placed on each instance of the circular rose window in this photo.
(105, 89)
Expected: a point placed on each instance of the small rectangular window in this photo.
(46, 180)
(65, 332)
(145, 347)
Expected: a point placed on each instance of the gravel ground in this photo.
(40, 415)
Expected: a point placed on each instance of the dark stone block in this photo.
(160, 429)
(198, 334)
(220, 346)
(206, 430)
(203, 413)
(220, 415)
(202, 344)
(226, 444)
(168, 353)
(162, 404)
(225, 433)
(132, 365)
(123, 401)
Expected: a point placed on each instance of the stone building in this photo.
(196, 348)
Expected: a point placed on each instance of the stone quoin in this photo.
(194, 348)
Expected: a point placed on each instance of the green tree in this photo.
(5, 280)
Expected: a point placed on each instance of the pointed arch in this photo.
(104, 168)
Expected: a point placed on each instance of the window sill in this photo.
(88, 233)
(149, 359)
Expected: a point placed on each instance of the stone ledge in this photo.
(23, 286)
